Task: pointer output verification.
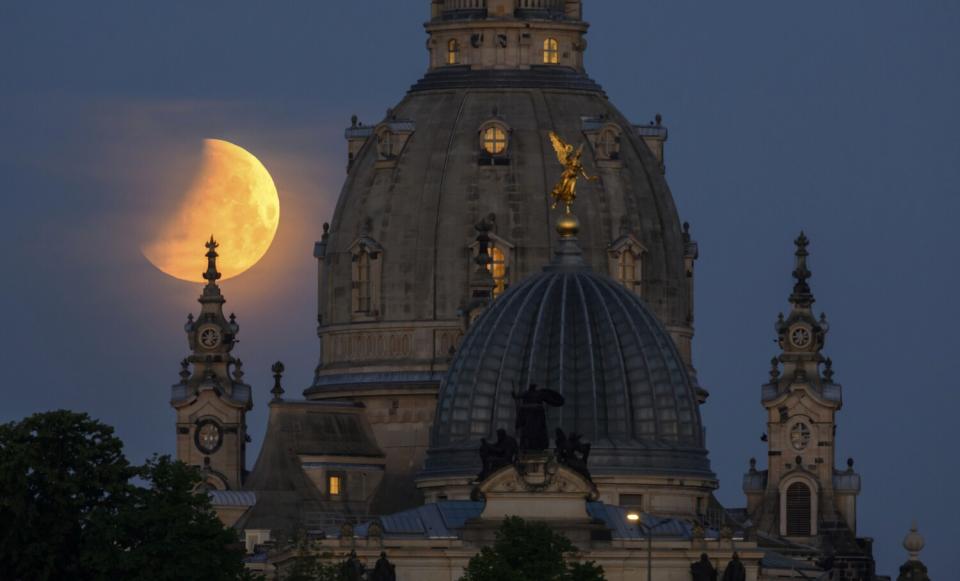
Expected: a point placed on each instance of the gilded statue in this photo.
(565, 192)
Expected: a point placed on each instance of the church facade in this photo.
(448, 286)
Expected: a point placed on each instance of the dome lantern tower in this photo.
(506, 34)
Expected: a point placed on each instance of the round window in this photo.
(800, 436)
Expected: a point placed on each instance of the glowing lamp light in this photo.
(633, 516)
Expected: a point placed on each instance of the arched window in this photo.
(367, 275)
(363, 283)
(608, 145)
(494, 140)
(385, 144)
(551, 51)
(498, 269)
(798, 510)
(453, 52)
(628, 270)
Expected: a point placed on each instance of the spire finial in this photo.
(277, 390)
(212, 275)
(914, 543)
(802, 296)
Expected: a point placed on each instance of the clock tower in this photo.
(801, 495)
(211, 399)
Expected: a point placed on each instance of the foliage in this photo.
(310, 566)
(530, 551)
(167, 531)
(58, 472)
(69, 509)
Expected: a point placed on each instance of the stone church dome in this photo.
(470, 140)
(584, 335)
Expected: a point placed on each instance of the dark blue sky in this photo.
(840, 118)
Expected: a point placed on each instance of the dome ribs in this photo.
(623, 408)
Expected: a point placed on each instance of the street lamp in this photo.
(635, 518)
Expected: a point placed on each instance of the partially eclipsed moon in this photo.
(233, 198)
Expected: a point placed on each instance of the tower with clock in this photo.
(211, 399)
(801, 495)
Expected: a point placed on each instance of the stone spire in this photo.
(211, 399)
(801, 334)
(802, 297)
(211, 292)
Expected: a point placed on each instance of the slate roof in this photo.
(446, 519)
(286, 498)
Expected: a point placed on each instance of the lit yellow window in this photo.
(551, 51)
(453, 52)
(494, 140)
(334, 485)
(498, 268)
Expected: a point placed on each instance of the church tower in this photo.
(802, 495)
(212, 400)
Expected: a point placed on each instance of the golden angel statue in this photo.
(565, 192)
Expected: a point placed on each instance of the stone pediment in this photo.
(538, 488)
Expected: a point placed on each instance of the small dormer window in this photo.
(608, 145)
(385, 144)
(363, 283)
(367, 269)
(495, 140)
(453, 52)
(551, 51)
(628, 270)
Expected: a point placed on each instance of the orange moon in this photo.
(233, 198)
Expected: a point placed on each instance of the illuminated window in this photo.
(608, 146)
(363, 283)
(551, 51)
(498, 268)
(494, 140)
(453, 52)
(628, 268)
(335, 485)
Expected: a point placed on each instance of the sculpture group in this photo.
(531, 428)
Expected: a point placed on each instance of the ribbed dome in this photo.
(580, 333)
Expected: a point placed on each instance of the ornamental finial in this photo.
(212, 275)
(277, 390)
(802, 296)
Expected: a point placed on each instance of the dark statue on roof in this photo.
(531, 422)
(735, 570)
(573, 451)
(501, 453)
(384, 570)
(703, 570)
(352, 568)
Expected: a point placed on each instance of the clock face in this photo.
(210, 337)
(800, 436)
(208, 437)
(800, 337)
